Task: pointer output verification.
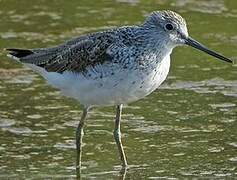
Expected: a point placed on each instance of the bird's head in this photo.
(172, 29)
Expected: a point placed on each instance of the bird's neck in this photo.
(154, 49)
(153, 41)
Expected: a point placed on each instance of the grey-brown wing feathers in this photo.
(75, 55)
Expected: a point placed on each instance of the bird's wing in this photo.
(75, 55)
(78, 57)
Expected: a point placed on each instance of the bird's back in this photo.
(77, 54)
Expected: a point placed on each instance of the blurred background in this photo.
(185, 129)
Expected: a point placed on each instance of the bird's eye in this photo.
(169, 27)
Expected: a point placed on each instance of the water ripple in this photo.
(203, 6)
(6, 122)
(227, 88)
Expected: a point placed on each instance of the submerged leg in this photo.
(117, 135)
(79, 136)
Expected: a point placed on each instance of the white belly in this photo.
(124, 86)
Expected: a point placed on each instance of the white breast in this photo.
(123, 86)
(151, 81)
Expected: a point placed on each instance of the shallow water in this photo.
(186, 129)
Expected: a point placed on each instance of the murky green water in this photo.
(186, 129)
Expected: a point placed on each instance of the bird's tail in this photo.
(32, 58)
(38, 57)
(19, 54)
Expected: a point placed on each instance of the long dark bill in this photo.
(191, 42)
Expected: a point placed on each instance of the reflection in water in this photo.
(78, 172)
(122, 173)
(186, 129)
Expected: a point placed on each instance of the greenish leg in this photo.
(117, 135)
(79, 136)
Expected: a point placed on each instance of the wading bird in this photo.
(113, 67)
